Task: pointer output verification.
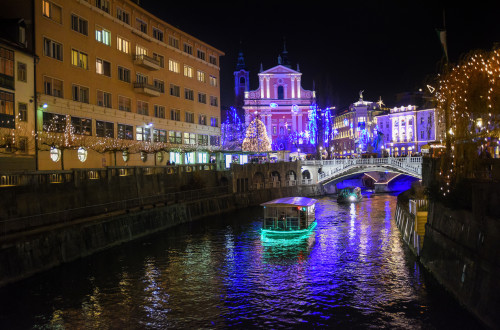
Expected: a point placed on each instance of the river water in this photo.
(353, 271)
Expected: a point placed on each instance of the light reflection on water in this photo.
(351, 271)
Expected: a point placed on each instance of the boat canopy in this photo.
(290, 201)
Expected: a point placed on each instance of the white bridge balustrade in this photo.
(328, 170)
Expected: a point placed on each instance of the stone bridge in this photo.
(322, 172)
(381, 170)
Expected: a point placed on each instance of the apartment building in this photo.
(118, 86)
(17, 110)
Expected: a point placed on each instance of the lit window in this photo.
(139, 50)
(173, 66)
(123, 45)
(102, 36)
(213, 81)
(188, 71)
(103, 67)
(201, 76)
(52, 11)
(79, 59)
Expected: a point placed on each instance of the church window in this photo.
(242, 80)
(281, 93)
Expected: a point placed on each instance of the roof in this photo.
(291, 201)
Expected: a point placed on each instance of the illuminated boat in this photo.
(288, 217)
(349, 195)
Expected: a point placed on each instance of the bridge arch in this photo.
(291, 175)
(306, 174)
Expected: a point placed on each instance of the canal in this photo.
(353, 271)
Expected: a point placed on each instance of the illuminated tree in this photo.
(232, 131)
(468, 110)
(256, 138)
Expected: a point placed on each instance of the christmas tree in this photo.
(232, 131)
(256, 138)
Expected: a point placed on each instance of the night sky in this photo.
(381, 47)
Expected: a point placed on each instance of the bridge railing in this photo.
(335, 167)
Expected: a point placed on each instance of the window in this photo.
(202, 120)
(188, 94)
(422, 135)
(175, 115)
(143, 133)
(142, 108)
(200, 54)
(23, 145)
(79, 25)
(53, 122)
(80, 94)
(189, 117)
(213, 60)
(201, 76)
(125, 132)
(173, 66)
(52, 49)
(104, 129)
(53, 86)
(102, 35)
(123, 16)
(22, 74)
(202, 98)
(174, 137)
(103, 99)
(52, 11)
(189, 138)
(79, 59)
(124, 103)
(160, 59)
(103, 67)
(188, 49)
(158, 34)
(81, 126)
(214, 121)
(6, 103)
(174, 42)
(188, 71)
(141, 25)
(159, 135)
(159, 111)
(175, 90)
(202, 140)
(23, 111)
(160, 85)
(214, 140)
(123, 74)
(123, 45)
(139, 50)
(213, 81)
(140, 78)
(102, 5)
(214, 101)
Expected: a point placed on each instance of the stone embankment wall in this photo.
(462, 251)
(29, 252)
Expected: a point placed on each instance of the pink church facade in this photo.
(283, 106)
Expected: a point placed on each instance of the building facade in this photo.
(354, 129)
(406, 129)
(282, 105)
(17, 110)
(118, 86)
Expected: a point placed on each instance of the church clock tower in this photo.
(241, 82)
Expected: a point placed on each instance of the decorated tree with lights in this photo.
(256, 138)
(468, 111)
(232, 131)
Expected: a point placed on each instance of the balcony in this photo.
(147, 62)
(146, 89)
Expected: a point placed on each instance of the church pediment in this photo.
(281, 70)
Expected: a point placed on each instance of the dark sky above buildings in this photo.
(342, 47)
